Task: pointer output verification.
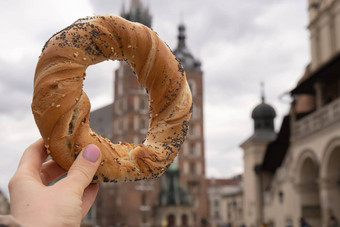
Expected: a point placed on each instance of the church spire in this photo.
(137, 13)
(181, 36)
(262, 92)
(183, 54)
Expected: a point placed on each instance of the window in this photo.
(120, 87)
(135, 122)
(135, 102)
(191, 130)
(143, 123)
(171, 220)
(184, 220)
(186, 168)
(192, 168)
(228, 210)
(199, 168)
(192, 149)
(143, 199)
(142, 104)
(240, 213)
(217, 214)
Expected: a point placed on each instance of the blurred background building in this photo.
(293, 176)
(226, 201)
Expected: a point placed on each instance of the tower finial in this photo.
(262, 92)
(181, 36)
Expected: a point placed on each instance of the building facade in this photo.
(254, 151)
(226, 202)
(295, 177)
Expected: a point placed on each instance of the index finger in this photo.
(33, 157)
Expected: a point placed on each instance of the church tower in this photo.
(254, 149)
(191, 157)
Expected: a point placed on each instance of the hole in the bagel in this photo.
(99, 120)
(99, 87)
(98, 83)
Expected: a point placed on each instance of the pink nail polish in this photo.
(91, 153)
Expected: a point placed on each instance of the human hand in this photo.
(65, 203)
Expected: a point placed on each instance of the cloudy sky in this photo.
(239, 42)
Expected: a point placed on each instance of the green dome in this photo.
(173, 169)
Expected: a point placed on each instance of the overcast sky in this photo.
(239, 42)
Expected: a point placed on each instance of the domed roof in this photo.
(263, 110)
(263, 116)
(183, 54)
(173, 169)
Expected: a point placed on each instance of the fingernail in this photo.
(91, 153)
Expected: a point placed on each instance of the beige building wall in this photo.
(307, 183)
(233, 204)
(298, 192)
(253, 155)
(324, 30)
(281, 202)
(226, 202)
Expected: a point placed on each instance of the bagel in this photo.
(61, 108)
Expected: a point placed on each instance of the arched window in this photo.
(171, 220)
(184, 220)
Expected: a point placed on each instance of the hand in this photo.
(66, 202)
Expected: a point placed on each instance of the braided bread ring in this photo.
(62, 109)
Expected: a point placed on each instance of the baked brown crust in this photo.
(62, 109)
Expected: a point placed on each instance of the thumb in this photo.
(84, 167)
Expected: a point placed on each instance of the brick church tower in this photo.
(126, 119)
(191, 158)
